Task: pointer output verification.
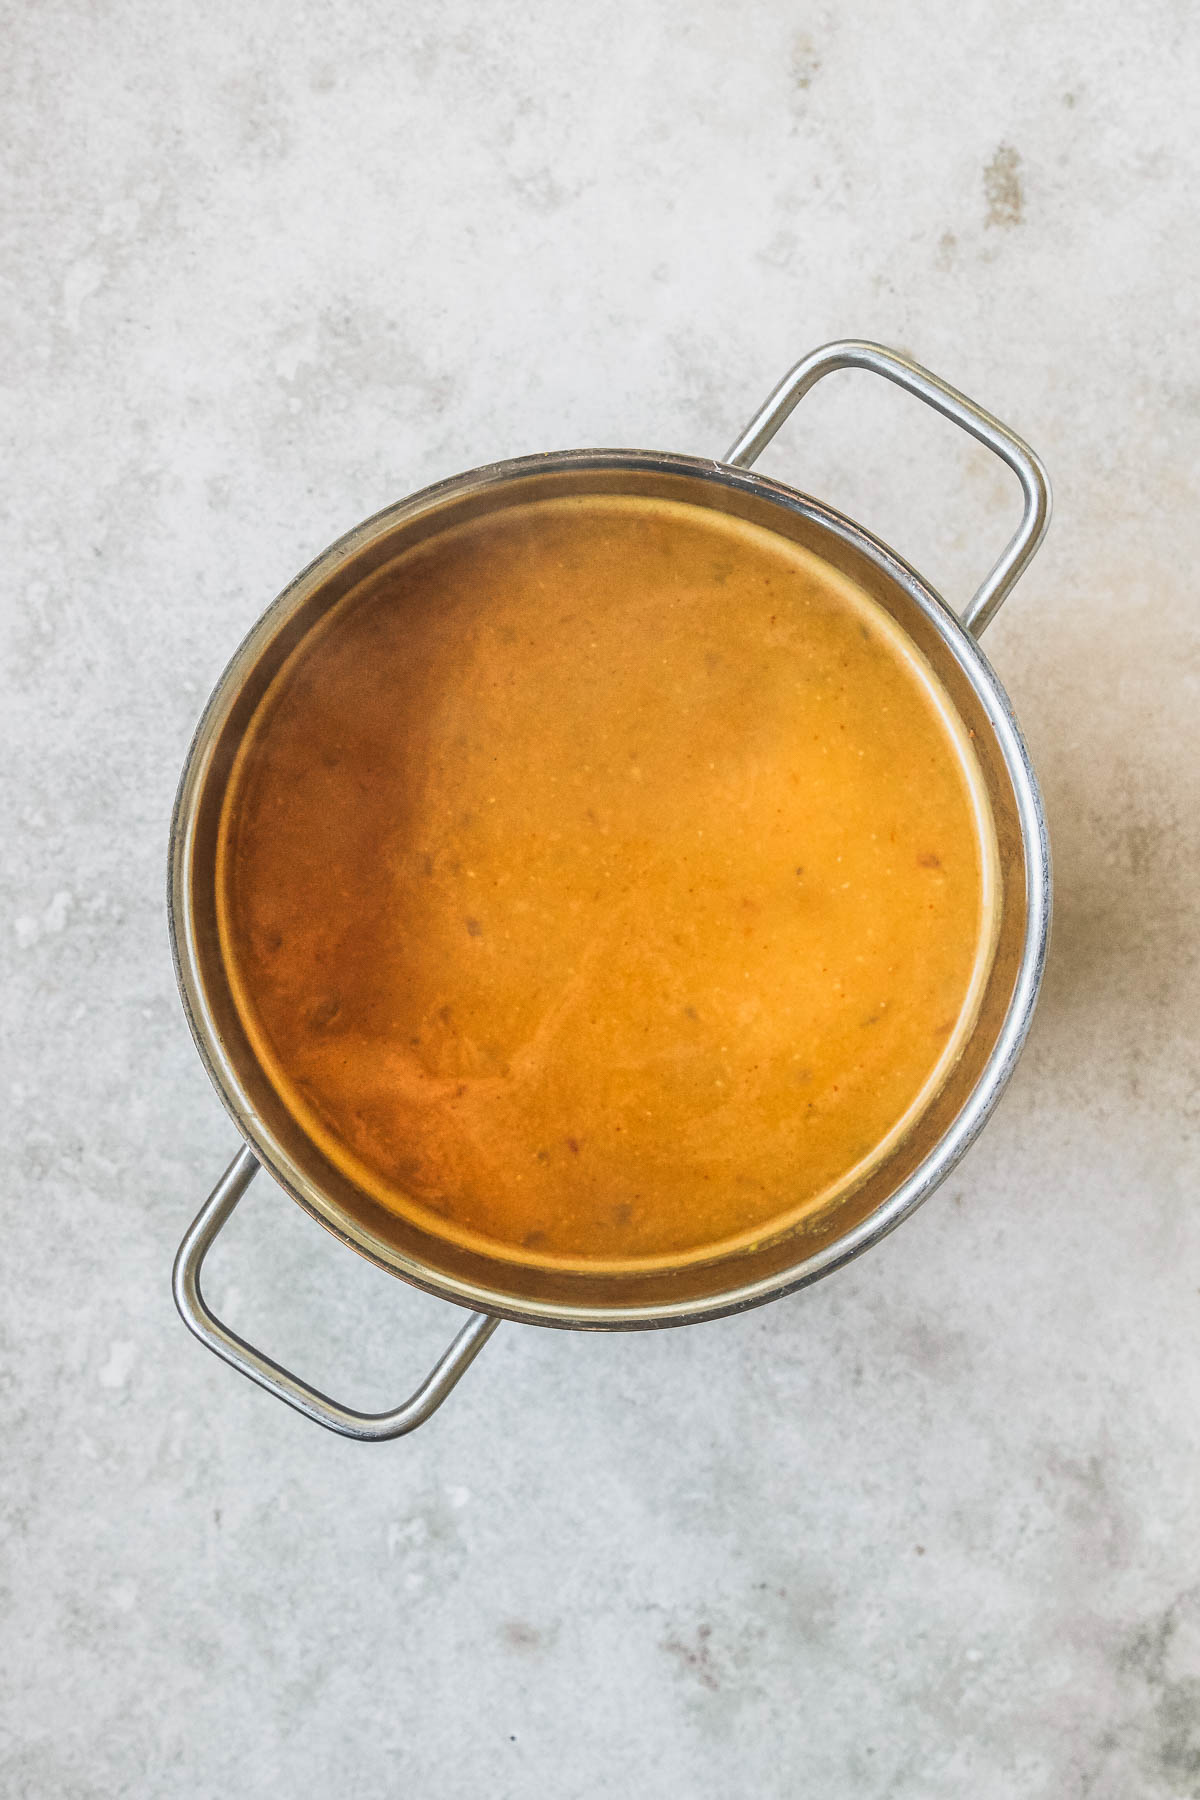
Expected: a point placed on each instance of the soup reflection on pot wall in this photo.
(609, 889)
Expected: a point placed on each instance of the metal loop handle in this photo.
(854, 354)
(369, 1427)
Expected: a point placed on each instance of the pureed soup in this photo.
(606, 882)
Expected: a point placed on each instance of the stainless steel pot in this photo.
(727, 1283)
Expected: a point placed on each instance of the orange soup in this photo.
(607, 880)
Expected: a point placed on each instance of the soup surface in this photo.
(606, 880)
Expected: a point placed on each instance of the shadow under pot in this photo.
(609, 889)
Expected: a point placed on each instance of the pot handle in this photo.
(855, 354)
(369, 1427)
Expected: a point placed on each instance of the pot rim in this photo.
(948, 1149)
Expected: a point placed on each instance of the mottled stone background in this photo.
(927, 1530)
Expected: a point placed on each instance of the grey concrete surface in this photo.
(927, 1530)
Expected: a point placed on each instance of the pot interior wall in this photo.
(537, 1293)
